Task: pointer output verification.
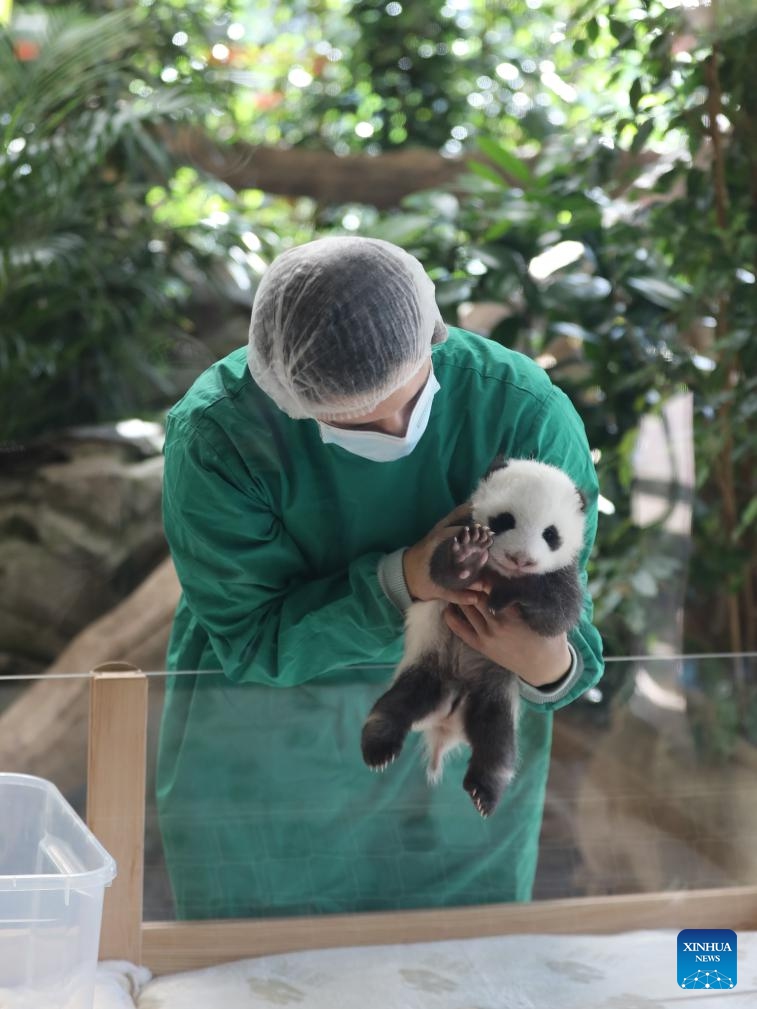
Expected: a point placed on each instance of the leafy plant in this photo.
(91, 284)
(375, 75)
(708, 234)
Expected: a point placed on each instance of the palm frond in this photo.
(76, 60)
(90, 281)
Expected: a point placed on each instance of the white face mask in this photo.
(381, 447)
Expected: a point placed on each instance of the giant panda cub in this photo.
(525, 535)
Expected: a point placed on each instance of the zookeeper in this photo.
(308, 478)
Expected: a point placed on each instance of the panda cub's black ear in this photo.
(582, 499)
(499, 462)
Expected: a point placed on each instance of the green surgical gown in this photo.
(283, 638)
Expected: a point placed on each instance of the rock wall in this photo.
(80, 528)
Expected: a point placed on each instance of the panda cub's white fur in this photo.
(526, 533)
(426, 633)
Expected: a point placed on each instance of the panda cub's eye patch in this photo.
(502, 523)
(552, 538)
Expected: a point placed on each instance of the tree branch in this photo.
(325, 177)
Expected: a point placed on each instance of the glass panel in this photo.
(655, 790)
(259, 803)
(265, 807)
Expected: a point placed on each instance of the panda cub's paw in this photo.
(458, 560)
(470, 550)
(381, 742)
(484, 789)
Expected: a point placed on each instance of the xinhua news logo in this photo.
(707, 958)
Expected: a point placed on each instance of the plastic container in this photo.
(53, 874)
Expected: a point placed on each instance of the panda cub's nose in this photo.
(520, 559)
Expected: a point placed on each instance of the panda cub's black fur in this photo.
(526, 532)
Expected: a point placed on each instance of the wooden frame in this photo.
(116, 810)
(116, 774)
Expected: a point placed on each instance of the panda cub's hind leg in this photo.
(416, 693)
(489, 718)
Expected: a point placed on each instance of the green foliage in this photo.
(406, 56)
(91, 285)
(694, 88)
(372, 75)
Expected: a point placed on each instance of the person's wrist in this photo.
(563, 663)
(552, 692)
(563, 666)
(555, 668)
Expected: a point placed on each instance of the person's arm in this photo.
(246, 582)
(558, 437)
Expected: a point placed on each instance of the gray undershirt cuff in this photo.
(554, 691)
(391, 578)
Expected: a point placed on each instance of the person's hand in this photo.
(507, 640)
(416, 559)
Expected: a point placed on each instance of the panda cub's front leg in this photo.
(458, 561)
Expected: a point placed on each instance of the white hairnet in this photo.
(339, 324)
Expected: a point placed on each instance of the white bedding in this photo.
(633, 970)
(119, 984)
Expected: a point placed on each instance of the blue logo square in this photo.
(707, 958)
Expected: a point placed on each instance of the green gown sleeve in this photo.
(558, 437)
(269, 620)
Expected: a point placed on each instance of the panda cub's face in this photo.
(536, 514)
